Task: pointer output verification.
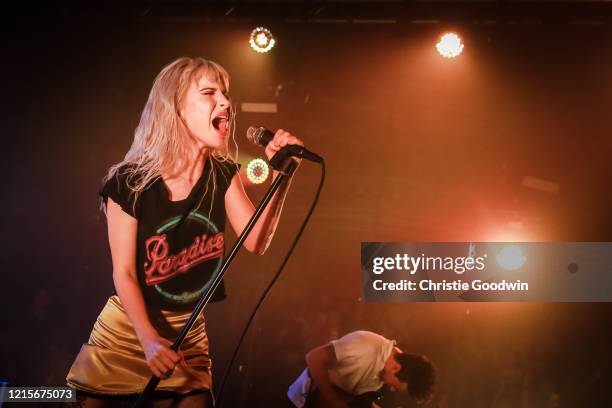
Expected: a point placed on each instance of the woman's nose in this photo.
(223, 100)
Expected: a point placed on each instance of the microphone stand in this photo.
(286, 167)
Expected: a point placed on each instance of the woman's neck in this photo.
(190, 169)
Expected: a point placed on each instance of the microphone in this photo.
(261, 136)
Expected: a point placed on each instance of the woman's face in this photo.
(206, 113)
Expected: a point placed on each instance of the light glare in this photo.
(450, 45)
(261, 40)
(257, 171)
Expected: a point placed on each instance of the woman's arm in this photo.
(240, 209)
(122, 237)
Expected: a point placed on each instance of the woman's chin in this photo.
(217, 141)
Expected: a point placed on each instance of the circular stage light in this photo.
(261, 40)
(257, 171)
(510, 257)
(450, 45)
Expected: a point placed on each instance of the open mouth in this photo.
(221, 122)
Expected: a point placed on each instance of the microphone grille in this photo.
(254, 133)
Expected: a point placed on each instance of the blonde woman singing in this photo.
(166, 205)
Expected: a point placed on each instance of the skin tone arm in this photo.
(240, 209)
(319, 361)
(122, 230)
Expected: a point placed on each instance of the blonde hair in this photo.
(162, 138)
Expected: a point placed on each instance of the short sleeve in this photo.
(117, 188)
(227, 169)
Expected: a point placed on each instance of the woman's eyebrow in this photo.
(212, 88)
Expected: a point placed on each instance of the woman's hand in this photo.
(280, 140)
(161, 359)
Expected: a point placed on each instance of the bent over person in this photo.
(353, 370)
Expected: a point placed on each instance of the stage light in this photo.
(257, 171)
(510, 257)
(261, 40)
(450, 45)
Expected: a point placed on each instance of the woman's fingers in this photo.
(164, 367)
(158, 369)
(161, 359)
(168, 354)
(182, 356)
(167, 362)
(281, 139)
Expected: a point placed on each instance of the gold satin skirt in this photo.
(112, 362)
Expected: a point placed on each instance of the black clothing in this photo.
(180, 243)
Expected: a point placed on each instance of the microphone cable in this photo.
(272, 282)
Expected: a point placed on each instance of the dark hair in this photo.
(419, 373)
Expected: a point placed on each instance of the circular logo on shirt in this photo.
(184, 257)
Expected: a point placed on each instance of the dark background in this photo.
(418, 148)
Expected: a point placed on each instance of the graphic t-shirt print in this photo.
(171, 267)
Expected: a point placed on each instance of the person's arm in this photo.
(122, 236)
(240, 208)
(319, 361)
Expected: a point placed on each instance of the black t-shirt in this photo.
(180, 243)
